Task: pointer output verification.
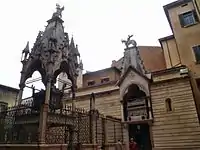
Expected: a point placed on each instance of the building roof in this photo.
(166, 38)
(102, 70)
(8, 88)
(169, 70)
(153, 58)
(148, 55)
(172, 5)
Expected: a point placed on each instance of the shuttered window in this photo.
(196, 50)
(3, 106)
(188, 18)
(91, 83)
(105, 80)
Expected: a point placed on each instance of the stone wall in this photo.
(8, 96)
(107, 103)
(179, 128)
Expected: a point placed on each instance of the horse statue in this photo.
(58, 12)
(129, 42)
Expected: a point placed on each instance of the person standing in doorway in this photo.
(133, 145)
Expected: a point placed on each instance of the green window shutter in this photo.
(181, 20)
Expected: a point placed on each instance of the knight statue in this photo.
(58, 12)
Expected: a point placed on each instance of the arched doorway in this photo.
(135, 113)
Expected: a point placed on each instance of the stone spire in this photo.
(25, 52)
(80, 75)
(80, 65)
(132, 57)
(73, 51)
(72, 45)
(52, 54)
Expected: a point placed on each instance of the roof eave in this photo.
(172, 5)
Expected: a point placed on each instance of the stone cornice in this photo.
(97, 94)
(96, 86)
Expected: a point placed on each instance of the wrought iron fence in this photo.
(65, 123)
(20, 125)
(100, 129)
(114, 129)
(16, 125)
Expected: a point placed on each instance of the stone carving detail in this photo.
(58, 12)
(129, 42)
(133, 78)
(132, 57)
(126, 83)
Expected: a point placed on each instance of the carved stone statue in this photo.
(58, 12)
(132, 56)
(129, 42)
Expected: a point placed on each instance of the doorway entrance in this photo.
(135, 106)
(141, 134)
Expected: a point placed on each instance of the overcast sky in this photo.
(97, 26)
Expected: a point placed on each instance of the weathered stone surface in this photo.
(178, 128)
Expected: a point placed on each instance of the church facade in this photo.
(154, 90)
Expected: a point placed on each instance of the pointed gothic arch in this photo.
(132, 82)
(133, 92)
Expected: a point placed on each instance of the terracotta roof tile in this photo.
(153, 58)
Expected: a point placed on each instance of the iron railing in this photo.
(16, 125)
(64, 126)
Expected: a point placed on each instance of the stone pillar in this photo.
(105, 129)
(125, 128)
(71, 128)
(73, 103)
(93, 119)
(19, 97)
(20, 94)
(122, 110)
(71, 137)
(126, 136)
(44, 114)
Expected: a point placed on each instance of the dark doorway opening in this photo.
(133, 94)
(141, 134)
(135, 107)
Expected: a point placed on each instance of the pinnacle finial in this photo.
(25, 52)
(59, 10)
(72, 42)
(81, 65)
(26, 49)
(129, 42)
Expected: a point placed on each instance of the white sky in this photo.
(97, 26)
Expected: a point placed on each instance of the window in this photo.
(188, 18)
(91, 83)
(105, 80)
(3, 106)
(196, 50)
(168, 103)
